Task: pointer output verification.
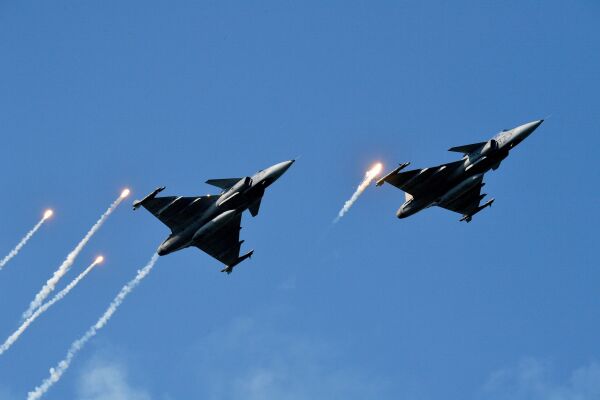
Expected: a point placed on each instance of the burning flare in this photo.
(369, 176)
(44, 307)
(19, 246)
(375, 171)
(68, 262)
(125, 193)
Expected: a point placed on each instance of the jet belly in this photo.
(184, 238)
(460, 189)
(437, 186)
(213, 225)
(411, 207)
(173, 243)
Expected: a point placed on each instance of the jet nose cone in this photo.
(287, 164)
(279, 169)
(521, 132)
(533, 125)
(526, 129)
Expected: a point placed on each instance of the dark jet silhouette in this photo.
(212, 223)
(456, 186)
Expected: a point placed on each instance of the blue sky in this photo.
(97, 96)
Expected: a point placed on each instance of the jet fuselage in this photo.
(465, 172)
(231, 202)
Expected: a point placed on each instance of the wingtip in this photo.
(400, 167)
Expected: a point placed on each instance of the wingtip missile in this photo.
(229, 268)
(466, 217)
(394, 172)
(138, 203)
(469, 217)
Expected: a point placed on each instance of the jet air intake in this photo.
(236, 190)
(490, 147)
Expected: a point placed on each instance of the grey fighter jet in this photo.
(212, 223)
(456, 186)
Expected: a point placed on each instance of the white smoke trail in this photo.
(44, 307)
(66, 265)
(25, 239)
(57, 372)
(369, 176)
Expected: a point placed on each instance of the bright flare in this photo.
(369, 176)
(68, 262)
(125, 193)
(48, 213)
(376, 170)
(99, 260)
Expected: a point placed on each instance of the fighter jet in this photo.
(456, 186)
(212, 223)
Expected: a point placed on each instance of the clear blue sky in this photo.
(96, 96)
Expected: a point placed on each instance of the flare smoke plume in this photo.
(68, 262)
(44, 307)
(369, 176)
(57, 372)
(25, 239)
